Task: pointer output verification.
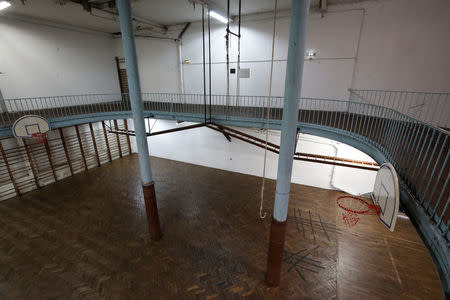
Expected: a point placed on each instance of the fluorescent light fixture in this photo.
(218, 17)
(4, 4)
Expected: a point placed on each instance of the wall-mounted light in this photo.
(218, 17)
(4, 4)
(310, 54)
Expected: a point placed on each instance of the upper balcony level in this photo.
(403, 128)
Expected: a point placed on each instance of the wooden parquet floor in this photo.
(86, 237)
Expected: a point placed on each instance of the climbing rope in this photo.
(261, 215)
(238, 69)
(227, 46)
(204, 60)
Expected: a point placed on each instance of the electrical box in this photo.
(244, 73)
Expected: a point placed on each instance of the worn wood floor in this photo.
(86, 237)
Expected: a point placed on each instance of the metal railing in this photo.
(63, 106)
(431, 108)
(418, 150)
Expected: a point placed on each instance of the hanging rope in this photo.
(227, 40)
(209, 62)
(204, 60)
(261, 215)
(238, 69)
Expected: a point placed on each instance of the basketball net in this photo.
(39, 137)
(352, 208)
(350, 218)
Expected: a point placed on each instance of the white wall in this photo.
(158, 64)
(41, 60)
(334, 38)
(206, 147)
(403, 45)
(385, 44)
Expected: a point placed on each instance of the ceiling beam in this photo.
(109, 7)
(208, 4)
(183, 31)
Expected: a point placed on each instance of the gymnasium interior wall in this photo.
(206, 147)
(352, 51)
(158, 64)
(26, 165)
(382, 44)
(38, 60)
(385, 44)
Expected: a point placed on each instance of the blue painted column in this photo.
(293, 84)
(137, 108)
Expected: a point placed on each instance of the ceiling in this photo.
(178, 11)
(68, 13)
(156, 17)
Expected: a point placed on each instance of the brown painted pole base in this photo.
(276, 246)
(152, 211)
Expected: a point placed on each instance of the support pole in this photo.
(94, 143)
(66, 152)
(49, 156)
(2, 103)
(137, 108)
(30, 161)
(81, 148)
(105, 133)
(125, 124)
(294, 74)
(8, 168)
(119, 147)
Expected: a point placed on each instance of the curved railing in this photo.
(430, 107)
(418, 150)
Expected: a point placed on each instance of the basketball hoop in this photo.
(39, 137)
(353, 207)
(31, 127)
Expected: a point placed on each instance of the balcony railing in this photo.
(431, 108)
(412, 142)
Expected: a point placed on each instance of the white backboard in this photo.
(26, 126)
(386, 194)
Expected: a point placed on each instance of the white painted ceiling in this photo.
(66, 14)
(178, 11)
(162, 12)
